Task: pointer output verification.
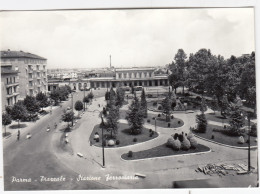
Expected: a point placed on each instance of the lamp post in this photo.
(72, 109)
(84, 95)
(103, 145)
(249, 157)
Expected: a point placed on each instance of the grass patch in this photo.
(160, 121)
(123, 135)
(161, 151)
(220, 137)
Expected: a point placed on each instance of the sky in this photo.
(134, 38)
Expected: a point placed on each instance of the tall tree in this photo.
(166, 106)
(214, 104)
(6, 120)
(67, 116)
(55, 96)
(86, 100)
(42, 100)
(18, 112)
(144, 103)
(202, 123)
(225, 106)
(180, 61)
(78, 106)
(120, 96)
(112, 119)
(135, 116)
(203, 106)
(237, 121)
(31, 104)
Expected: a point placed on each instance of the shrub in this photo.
(170, 142)
(96, 133)
(241, 140)
(160, 107)
(97, 139)
(151, 134)
(150, 130)
(180, 137)
(148, 120)
(212, 137)
(154, 103)
(193, 142)
(253, 131)
(172, 117)
(190, 135)
(135, 139)
(111, 142)
(130, 154)
(179, 122)
(225, 126)
(185, 145)
(169, 124)
(175, 136)
(159, 115)
(117, 142)
(176, 145)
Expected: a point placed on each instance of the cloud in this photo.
(133, 37)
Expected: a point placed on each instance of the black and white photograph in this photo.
(101, 99)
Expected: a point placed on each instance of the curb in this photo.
(225, 145)
(160, 157)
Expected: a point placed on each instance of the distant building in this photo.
(32, 71)
(127, 77)
(9, 86)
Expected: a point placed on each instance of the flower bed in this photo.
(123, 135)
(221, 137)
(162, 151)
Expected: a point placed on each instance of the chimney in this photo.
(110, 61)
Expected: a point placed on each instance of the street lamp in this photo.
(103, 145)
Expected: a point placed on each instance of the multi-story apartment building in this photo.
(32, 71)
(9, 86)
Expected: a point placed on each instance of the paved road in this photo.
(34, 158)
(160, 172)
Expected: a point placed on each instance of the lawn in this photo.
(218, 118)
(123, 136)
(160, 121)
(161, 151)
(220, 137)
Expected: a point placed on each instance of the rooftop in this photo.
(19, 54)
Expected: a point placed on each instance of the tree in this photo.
(236, 121)
(144, 103)
(107, 94)
(112, 98)
(86, 100)
(203, 106)
(120, 96)
(42, 100)
(224, 106)
(202, 123)
(135, 117)
(78, 106)
(6, 120)
(112, 119)
(91, 96)
(18, 112)
(67, 116)
(166, 106)
(180, 58)
(214, 103)
(31, 104)
(55, 96)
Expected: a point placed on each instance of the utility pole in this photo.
(248, 117)
(84, 95)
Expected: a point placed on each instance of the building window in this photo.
(38, 67)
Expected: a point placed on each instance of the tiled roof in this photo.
(19, 54)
